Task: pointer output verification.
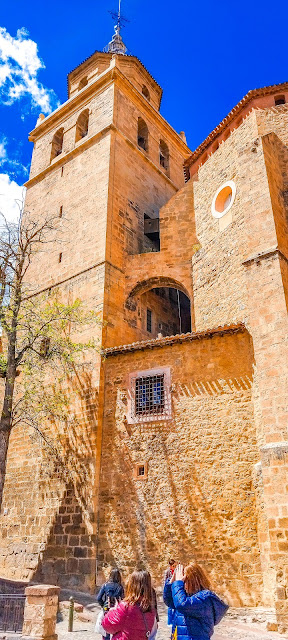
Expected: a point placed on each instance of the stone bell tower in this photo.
(105, 162)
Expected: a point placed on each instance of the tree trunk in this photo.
(4, 442)
(6, 415)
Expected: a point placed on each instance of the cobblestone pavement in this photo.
(230, 628)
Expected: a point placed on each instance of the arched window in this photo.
(57, 144)
(82, 125)
(164, 155)
(82, 83)
(279, 100)
(145, 92)
(142, 134)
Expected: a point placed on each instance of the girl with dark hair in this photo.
(135, 617)
(196, 609)
(111, 593)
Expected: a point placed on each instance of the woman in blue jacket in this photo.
(196, 609)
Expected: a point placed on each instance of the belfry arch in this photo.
(157, 281)
(158, 307)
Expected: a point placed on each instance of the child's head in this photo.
(195, 579)
(115, 576)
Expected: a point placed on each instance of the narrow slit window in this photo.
(61, 211)
(60, 257)
(45, 347)
(149, 320)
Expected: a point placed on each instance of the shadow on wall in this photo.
(68, 559)
(198, 500)
(68, 556)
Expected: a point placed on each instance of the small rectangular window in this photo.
(61, 212)
(141, 471)
(149, 397)
(149, 320)
(60, 257)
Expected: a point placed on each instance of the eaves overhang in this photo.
(158, 343)
(249, 97)
(110, 55)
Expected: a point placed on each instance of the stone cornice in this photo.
(73, 276)
(107, 78)
(170, 340)
(62, 159)
(274, 451)
(148, 107)
(72, 104)
(270, 253)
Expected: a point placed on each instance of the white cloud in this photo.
(19, 68)
(3, 153)
(11, 163)
(11, 198)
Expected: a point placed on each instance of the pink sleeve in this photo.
(113, 620)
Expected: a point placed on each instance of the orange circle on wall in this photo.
(223, 199)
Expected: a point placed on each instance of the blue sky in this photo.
(206, 56)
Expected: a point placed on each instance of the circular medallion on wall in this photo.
(223, 199)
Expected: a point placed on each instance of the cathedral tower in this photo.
(105, 161)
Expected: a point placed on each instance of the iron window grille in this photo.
(149, 396)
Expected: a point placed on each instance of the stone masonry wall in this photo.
(47, 520)
(198, 499)
(220, 294)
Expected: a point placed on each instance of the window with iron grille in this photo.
(149, 396)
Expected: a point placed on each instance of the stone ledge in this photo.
(42, 590)
(274, 450)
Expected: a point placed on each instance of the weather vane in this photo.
(117, 45)
(121, 20)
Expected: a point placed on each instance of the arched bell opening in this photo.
(159, 312)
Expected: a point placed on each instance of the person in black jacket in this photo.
(111, 593)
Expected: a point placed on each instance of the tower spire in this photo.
(117, 45)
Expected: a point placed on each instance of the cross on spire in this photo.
(117, 45)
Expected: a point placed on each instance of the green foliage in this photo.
(3, 366)
(50, 350)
